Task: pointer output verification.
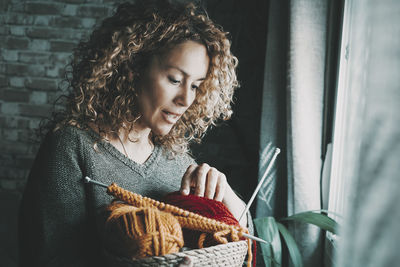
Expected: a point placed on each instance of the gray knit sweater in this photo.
(61, 217)
(59, 212)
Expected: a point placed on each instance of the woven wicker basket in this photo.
(231, 254)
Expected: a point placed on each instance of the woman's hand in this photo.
(206, 181)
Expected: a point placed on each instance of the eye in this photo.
(173, 81)
(195, 87)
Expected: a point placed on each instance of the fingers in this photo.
(205, 180)
(221, 188)
(211, 183)
(201, 179)
(187, 179)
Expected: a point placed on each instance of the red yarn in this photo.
(209, 208)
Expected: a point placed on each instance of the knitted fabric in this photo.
(61, 218)
(144, 232)
(209, 208)
(221, 232)
(206, 207)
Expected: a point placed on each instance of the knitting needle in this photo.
(255, 238)
(271, 163)
(88, 180)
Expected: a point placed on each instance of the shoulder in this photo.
(67, 139)
(59, 159)
(65, 132)
(66, 135)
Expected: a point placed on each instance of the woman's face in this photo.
(168, 86)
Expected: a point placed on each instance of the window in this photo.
(347, 122)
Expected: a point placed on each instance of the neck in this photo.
(135, 145)
(140, 138)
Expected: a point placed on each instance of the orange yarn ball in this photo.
(133, 232)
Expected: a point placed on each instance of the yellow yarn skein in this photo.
(142, 232)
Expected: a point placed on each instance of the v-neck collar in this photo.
(144, 169)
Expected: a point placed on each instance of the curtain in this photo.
(271, 198)
(292, 115)
(305, 93)
(371, 231)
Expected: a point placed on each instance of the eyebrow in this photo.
(184, 73)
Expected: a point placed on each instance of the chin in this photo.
(163, 131)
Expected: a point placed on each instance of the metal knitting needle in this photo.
(88, 180)
(271, 163)
(255, 238)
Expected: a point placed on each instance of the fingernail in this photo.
(185, 191)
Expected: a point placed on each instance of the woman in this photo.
(151, 79)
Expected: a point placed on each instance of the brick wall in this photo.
(36, 38)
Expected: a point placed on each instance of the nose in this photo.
(186, 95)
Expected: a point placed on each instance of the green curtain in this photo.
(292, 115)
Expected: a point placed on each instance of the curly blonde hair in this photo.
(105, 93)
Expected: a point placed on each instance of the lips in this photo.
(171, 117)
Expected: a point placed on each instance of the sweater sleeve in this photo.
(53, 228)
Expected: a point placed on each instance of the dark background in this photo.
(36, 40)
